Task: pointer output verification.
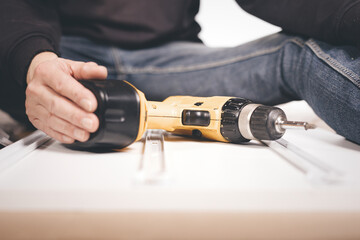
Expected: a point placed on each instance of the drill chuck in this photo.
(243, 120)
(263, 122)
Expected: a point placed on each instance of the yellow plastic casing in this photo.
(167, 115)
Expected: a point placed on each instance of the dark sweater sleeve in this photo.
(27, 27)
(334, 21)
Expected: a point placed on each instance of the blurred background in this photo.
(225, 24)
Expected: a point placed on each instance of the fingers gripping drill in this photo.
(125, 114)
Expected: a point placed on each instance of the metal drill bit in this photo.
(295, 125)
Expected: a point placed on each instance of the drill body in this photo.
(187, 115)
(125, 114)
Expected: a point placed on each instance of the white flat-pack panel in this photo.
(201, 175)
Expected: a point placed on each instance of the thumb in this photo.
(88, 70)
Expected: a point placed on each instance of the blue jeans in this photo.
(272, 70)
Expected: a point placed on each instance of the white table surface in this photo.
(204, 178)
(238, 177)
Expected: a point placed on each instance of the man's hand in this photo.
(56, 102)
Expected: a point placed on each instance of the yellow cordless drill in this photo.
(125, 114)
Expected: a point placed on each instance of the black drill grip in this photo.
(118, 112)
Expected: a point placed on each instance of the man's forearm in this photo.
(334, 21)
(27, 27)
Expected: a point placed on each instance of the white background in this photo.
(224, 23)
